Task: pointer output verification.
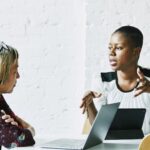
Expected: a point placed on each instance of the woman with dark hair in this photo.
(128, 83)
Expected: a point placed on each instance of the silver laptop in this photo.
(96, 135)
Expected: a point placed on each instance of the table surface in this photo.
(104, 146)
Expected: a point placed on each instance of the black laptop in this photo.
(127, 124)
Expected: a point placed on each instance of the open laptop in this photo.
(127, 125)
(96, 135)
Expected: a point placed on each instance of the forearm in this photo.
(26, 125)
(12, 135)
(91, 113)
(32, 130)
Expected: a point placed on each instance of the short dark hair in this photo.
(133, 33)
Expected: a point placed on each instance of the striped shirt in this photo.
(107, 84)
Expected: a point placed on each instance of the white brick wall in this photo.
(103, 17)
(50, 37)
(61, 44)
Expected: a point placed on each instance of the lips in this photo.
(113, 62)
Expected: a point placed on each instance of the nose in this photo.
(112, 51)
(18, 75)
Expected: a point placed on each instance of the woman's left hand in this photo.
(144, 84)
(8, 118)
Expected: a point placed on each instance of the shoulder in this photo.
(4, 106)
(146, 71)
(108, 76)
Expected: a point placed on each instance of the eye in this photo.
(119, 48)
(109, 47)
(15, 72)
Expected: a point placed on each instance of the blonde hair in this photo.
(8, 55)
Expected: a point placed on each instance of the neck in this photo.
(128, 73)
(127, 79)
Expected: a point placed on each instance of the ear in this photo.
(136, 51)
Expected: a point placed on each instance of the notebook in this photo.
(127, 124)
(96, 135)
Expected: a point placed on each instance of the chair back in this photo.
(86, 127)
(145, 143)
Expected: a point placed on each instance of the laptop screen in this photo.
(128, 119)
(127, 124)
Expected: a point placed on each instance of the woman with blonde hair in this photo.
(14, 131)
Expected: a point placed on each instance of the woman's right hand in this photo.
(8, 118)
(88, 99)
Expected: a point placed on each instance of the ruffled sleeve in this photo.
(11, 135)
(98, 86)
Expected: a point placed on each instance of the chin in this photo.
(10, 91)
(117, 67)
(114, 68)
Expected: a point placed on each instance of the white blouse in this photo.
(112, 94)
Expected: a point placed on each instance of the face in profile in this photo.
(9, 85)
(121, 52)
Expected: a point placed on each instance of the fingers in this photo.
(141, 79)
(84, 109)
(143, 84)
(8, 118)
(140, 74)
(88, 99)
(14, 123)
(96, 95)
(139, 91)
(142, 87)
(89, 96)
(3, 112)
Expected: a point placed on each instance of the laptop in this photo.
(96, 135)
(127, 124)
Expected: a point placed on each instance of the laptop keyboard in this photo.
(72, 144)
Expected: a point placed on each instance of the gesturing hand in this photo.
(144, 84)
(8, 118)
(88, 99)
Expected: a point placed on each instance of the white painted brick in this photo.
(103, 17)
(61, 44)
(50, 37)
